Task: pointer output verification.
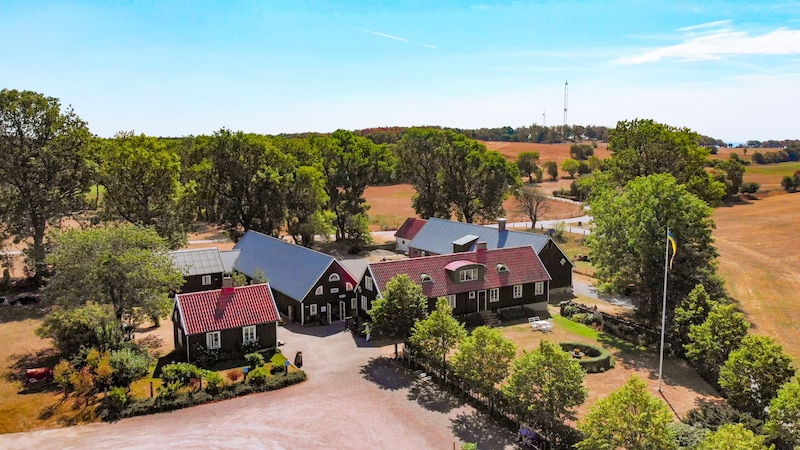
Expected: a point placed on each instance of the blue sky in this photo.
(725, 69)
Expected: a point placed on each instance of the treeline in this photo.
(771, 144)
(791, 153)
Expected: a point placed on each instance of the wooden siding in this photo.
(561, 274)
(194, 283)
(231, 340)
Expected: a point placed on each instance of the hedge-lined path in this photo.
(355, 397)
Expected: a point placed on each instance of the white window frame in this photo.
(368, 283)
(334, 290)
(206, 280)
(353, 303)
(334, 277)
(213, 340)
(517, 291)
(451, 299)
(319, 291)
(312, 310)
(468, 275)
(494, 295)
(348, 287)
(539, 288)
(249, 334)
(364, 303)
(180, 337)
(472, 295)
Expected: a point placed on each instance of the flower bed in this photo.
(592, 359)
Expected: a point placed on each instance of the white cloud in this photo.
(722, 43)
(715, 24)
(397, 38)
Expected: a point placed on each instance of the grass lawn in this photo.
(682, 386)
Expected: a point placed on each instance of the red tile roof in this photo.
(410, 228)
(222, 309)
(524, 266)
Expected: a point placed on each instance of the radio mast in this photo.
(564, 129)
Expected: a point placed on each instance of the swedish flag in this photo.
(671, 238)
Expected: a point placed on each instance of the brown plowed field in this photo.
(760, 263)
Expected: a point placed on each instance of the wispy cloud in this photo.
(702, 26)
(719, 44)
(397, 38)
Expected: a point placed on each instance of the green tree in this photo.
(401, 306)
(733, 437)
(581, 151)
(252, 178)
(129, 365)
(141, 177)
(628, 418)
(43, 171)
(306, 202)
(629, 237)
(483, 359)
(477, 181)
(125, 267)
(570, 166)
(692, 310)
(788, 184)
(532, 203)
(734, 170)
(528, 164)
(89, 326)
(546, 386)
(439, 333)
(644, 147)
(784, 415)
(551, 167)
(711, 342)
(352, 163)
(753, 374)
(420, 152)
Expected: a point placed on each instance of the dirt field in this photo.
(761, 265)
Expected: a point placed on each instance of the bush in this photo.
(509, 314)
(595, 359)
(234, 375)
(129, 365)
(181, 373)
(258, 376)
(205, 357)
(213, 381)
(749, 187)
(117, 398)
(250, 347)
(473, 320)
(254, 360)
(712, 415)
(569, 310)
(584, 318)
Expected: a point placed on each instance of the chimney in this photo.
(480, 250)
(224, 297)
(501, 224)
(227, 282)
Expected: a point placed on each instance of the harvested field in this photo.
(761, 265)
(547, 152)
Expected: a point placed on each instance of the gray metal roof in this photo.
(356, 266)
(290, 269)
(198, 261)
(464, 240)
(438, 235)
(229, 258)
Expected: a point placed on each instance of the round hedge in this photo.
(595, 359)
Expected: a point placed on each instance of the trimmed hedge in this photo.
(596, 359)
(136, 407)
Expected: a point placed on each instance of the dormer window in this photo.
(333, 277)
(502, 268)
(425, 278)
(468, 275)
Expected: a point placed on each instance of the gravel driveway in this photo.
(355, 397)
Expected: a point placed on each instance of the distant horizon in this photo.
(726, 69)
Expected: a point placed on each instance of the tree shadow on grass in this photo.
(19, 362)
(387, 374)
(477, 427)
(432, 397)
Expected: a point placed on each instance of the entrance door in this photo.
(482, 300)
(342, 310)
(329, 312)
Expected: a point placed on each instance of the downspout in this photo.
(302, 314)
(187, 347)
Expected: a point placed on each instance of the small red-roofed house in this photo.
(406, 233)
(225, 319)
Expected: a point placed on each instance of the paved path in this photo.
(355, 398)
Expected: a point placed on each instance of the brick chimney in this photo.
(227, 282)
(224, 297)
(480, 251)
(501, 224)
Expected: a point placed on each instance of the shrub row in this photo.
(135, 407)
(510, 314)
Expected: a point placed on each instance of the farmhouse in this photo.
(472, 281)
(406, 233)
(440, 237)
(202, 269)
(307, 285)
(225, 319)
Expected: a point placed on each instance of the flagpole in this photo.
(663, 309)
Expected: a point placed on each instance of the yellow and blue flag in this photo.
(671, 238)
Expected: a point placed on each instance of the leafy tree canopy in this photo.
(439, 333)
(784, 415)
(401, 306)
(711, 342)
(733, 437)
(628, 418)
(484, 358)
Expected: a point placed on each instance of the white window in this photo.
(180, 337)
(452, 300)
(494, 295)
(517, 291)
(334, 290)
(364, 303)
(206, 280)
(312, 310)
(249, 334)
(353, 303)
(472, 295)
(333, 277)
(368, 283)
(468, 275)
(319, 290)
(539, 288)
(348, 287)
(213, 340)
